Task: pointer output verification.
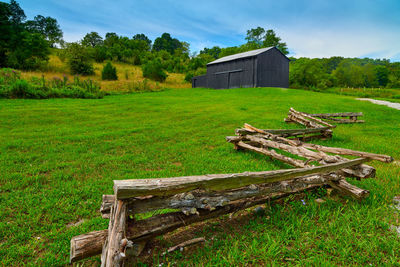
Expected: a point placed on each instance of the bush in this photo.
(12, 86)
(109, 72)
(153, 70)
(79, 59)
(192, 73)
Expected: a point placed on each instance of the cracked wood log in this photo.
(284, 132)
(338, 114)
(271, 153)
(270, 135)
(185, 244)
(344, 121)
(91, 244)
(362, 171)
(306, 116)
(87, 245)
(190, 202)
(301, 120)
(124, 189)
(106, 206)
(113, 253)
(345, 151)
(349, 189)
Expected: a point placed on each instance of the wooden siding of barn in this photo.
(272, 69)
(232, 74)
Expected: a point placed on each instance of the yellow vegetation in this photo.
(129, 76)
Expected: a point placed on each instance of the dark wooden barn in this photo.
(265, 67)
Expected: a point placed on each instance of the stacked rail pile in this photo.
(306, 155)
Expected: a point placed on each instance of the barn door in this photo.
(234, 80)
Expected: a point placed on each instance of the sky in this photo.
(311, 28)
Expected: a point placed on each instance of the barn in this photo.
(265, 67)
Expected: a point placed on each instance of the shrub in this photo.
(153, 70)
(79, 59)
(192, 73)
(109, 72)
(12, 86)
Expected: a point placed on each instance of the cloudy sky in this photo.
(311, 28)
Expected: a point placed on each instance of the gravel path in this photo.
(382, 102)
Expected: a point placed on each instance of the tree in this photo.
(92, 39)
(18, 47)
(259, 37)
(29, 51)
(270, 39)
(214, 51)
(256, 36)
(79, 59)
(48, 27)
(153, 69)
(17, 14)
(142, 37)
(167, 43)
(109, 72)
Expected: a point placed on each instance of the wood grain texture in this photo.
(124, 189)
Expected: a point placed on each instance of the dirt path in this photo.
(382, 102)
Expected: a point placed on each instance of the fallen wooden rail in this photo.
(343, 117)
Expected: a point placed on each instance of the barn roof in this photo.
(251, 53)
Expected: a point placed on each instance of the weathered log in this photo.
(306, 116)
(271, 136)
(114, 248)
(339, 114)
(87, 245)
(271, 153)
(344, 121)
(200, 199)
(145, 229)
(349, 189)
(185, 244)
(283, 132)
(295, 118)
(108, 201)
(345, 151)
(124, 189)
(362, 171)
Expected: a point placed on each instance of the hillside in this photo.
(130, 77)
(59, 156)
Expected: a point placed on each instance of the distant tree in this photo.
(142, 37)
(79, 59)
(271, 39)
(167, 43)
(111, 39)
(109, 72)
(256, 36)
(153, 69)
(92, 39)
(18, 47)
(17, 14)
(214, 51)
(260, 37)
(29, 51)
(47, 26)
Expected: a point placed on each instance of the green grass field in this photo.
(59, 156)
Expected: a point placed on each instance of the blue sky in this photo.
(311, 28)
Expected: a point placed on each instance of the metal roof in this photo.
(251, 53)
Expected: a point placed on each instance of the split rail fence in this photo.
(198, 198)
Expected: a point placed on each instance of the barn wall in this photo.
(272, 69)
(199, 81)
(231, 74)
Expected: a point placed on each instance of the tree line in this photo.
(26, 44)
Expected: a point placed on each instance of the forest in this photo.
(27, 45)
